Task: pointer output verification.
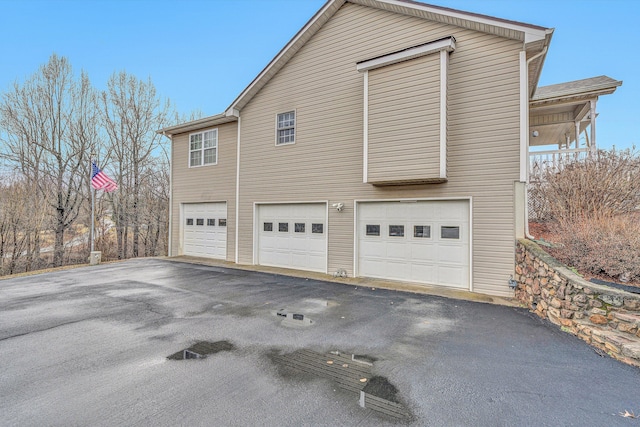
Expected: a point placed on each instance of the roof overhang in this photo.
(556, 110)
(199, 124)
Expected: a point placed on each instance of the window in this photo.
(373, 230)
(283, 226)
(299, 227)
(267, 226)
(422, 231)
(222, 222)
(189, 221)
(286, 128)
(200, 221)
(203, 148)
(211, 221)
(449, 232)
(396, 230)
(317, 228)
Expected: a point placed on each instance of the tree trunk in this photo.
(58, 246)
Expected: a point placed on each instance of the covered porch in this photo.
(562, 122)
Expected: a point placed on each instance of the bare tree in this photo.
(51, 125)
(132, 114)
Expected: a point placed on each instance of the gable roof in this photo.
(535, 41)
(534, 37)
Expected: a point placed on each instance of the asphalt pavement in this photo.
(89, 346)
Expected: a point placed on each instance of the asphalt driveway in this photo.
(89, 347)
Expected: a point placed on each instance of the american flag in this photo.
(100, 181)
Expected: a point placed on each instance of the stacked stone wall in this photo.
(607, 318)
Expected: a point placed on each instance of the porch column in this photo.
(577, 124)
(592, 116)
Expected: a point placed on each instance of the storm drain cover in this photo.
(202, 349)
(293, 319)
(352, 373)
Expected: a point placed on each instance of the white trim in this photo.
(295, 126)
(524, 117)
(170, 239)
(418, 199)
(202, 149)
(237, 253)
(365, 159)
(470, 244)
(448, 44)
(444, 66)
(530, 34)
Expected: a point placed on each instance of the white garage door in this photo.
(293, 236)
(205, 229)
(423, 241)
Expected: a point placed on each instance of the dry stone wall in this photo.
(607, 318)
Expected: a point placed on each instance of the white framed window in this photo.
(203, 148)
(286, 128)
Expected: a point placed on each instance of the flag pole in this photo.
(93, 203)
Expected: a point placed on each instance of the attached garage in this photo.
(292, 236)
(416, 241)
(204, 228)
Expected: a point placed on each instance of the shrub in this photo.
(602, 247)
(599, 186)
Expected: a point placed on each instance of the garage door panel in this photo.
(199, 238)
(430, 259)
(302, 250)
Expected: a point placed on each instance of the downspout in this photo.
(526, 204)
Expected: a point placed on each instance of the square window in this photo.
(189, 221)
(373, 230)
(200, 221)
(396, 230)
(211, 221)
(267, 226)
(283, 226)
(299, 227)
(447, 232)
(422, 231)
(286, 128)
(203, 148)
(222, 222)
(317, 228)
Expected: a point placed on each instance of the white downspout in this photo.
(525, 133)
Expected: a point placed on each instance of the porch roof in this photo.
(557, 111)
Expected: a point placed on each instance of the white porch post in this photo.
(592, 116)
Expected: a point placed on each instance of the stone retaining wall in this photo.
(607, 318)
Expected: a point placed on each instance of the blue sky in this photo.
(202, 54)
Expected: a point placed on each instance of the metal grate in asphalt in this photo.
(352, 373)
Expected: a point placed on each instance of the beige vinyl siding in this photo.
(211, 183)
(404, 121)
(326, 163)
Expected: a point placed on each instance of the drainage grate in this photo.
(293, 319)
(351, 373)
(202, 349)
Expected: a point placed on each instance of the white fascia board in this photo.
(447, 44)
(531, 33)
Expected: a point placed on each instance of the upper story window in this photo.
(286, 128)
(203, 148)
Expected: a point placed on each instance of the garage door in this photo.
(424, 241)
(293, 236)
(205, 230)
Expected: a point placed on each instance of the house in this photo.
(388, 139)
